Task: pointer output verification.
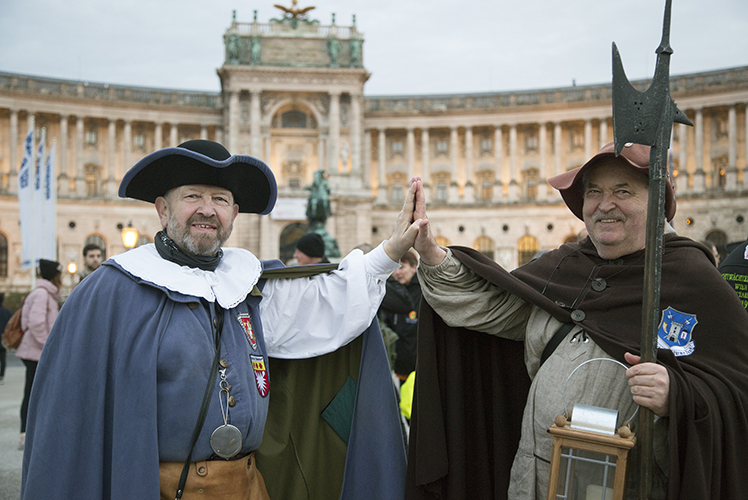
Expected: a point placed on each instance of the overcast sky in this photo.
(411, 47)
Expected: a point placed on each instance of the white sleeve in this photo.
(306, 317)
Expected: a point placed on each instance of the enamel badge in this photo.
(261, 374)
(246, 321)
(676, 332)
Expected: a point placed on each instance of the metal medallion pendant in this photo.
(226, 441)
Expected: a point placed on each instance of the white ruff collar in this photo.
(235, 276)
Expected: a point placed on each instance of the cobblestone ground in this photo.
(11, 393)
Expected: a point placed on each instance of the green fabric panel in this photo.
(298, 271)
(301, 456)
(339, 413)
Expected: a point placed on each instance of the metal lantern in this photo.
(590, 458)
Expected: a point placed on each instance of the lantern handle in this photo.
(566, 411)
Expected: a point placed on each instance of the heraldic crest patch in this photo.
(676, 332)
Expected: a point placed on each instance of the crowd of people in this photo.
(160, 365)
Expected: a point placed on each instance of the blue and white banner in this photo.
(48, 249)
(26, 200)
(38, 217)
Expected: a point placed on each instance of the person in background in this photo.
(399, 312)
(713, 249)
(92, 257)
(39, 313)
(310, 249)
(5, 315)
(735, 270)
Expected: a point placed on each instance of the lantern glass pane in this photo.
(585, 475)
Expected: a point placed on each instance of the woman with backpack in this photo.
(37, 317)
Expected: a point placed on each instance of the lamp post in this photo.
(130, 236)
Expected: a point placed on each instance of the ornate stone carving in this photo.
(355, 49)
(233, 44)
(333, 49)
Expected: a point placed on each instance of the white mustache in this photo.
(616, 215)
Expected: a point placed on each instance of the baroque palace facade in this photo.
(293, 95)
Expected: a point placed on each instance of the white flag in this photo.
(26, 200)
(49, 207)
(38, 221)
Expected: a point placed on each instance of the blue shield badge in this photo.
(676, 332)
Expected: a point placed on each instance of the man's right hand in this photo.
(425, 244)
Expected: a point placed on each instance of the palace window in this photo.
(486, 145)
(293, 119)
(530, 180)
(527, 247)
(442, 146)
(92, 174)
(484, 245)
(138, 140)
(397, 192)
(397, 147)
(531, 142)
(441, 191)
(91, 137)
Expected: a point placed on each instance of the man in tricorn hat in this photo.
(157, 369)
(698, 389)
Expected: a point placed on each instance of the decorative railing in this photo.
(281, 28)
(434, 103)
(107, 92)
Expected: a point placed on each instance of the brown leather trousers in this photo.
(215, 480)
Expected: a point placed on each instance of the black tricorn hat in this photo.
(203, 162)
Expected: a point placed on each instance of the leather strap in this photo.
(217, 329)
(555, 341)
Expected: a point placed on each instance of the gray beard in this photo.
(196, 246)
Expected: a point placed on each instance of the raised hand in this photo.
(425, 243)
(407, 225)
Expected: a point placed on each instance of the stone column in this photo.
(204, 132)
(587, 139)
(62, 168)
(425, 157)
(498, 141)
(410, 153)
(356, 127)
(12, 185)
(158, 136)
(80, 175)
(320, 150)
(513, 184)
(681, 182)
(453, 152)
(334, 138)
(731, 176)
(173, 137)
(110, 184)
(255, 118)
(127, 148)
(552, 193)
(266, 150)
(366, 159)
(543, 186)
(698, 176)
(603, 132)
(469, 184)
(219, 134)
(382, 188)
(233, 131)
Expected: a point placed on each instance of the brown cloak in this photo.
(708, 423)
